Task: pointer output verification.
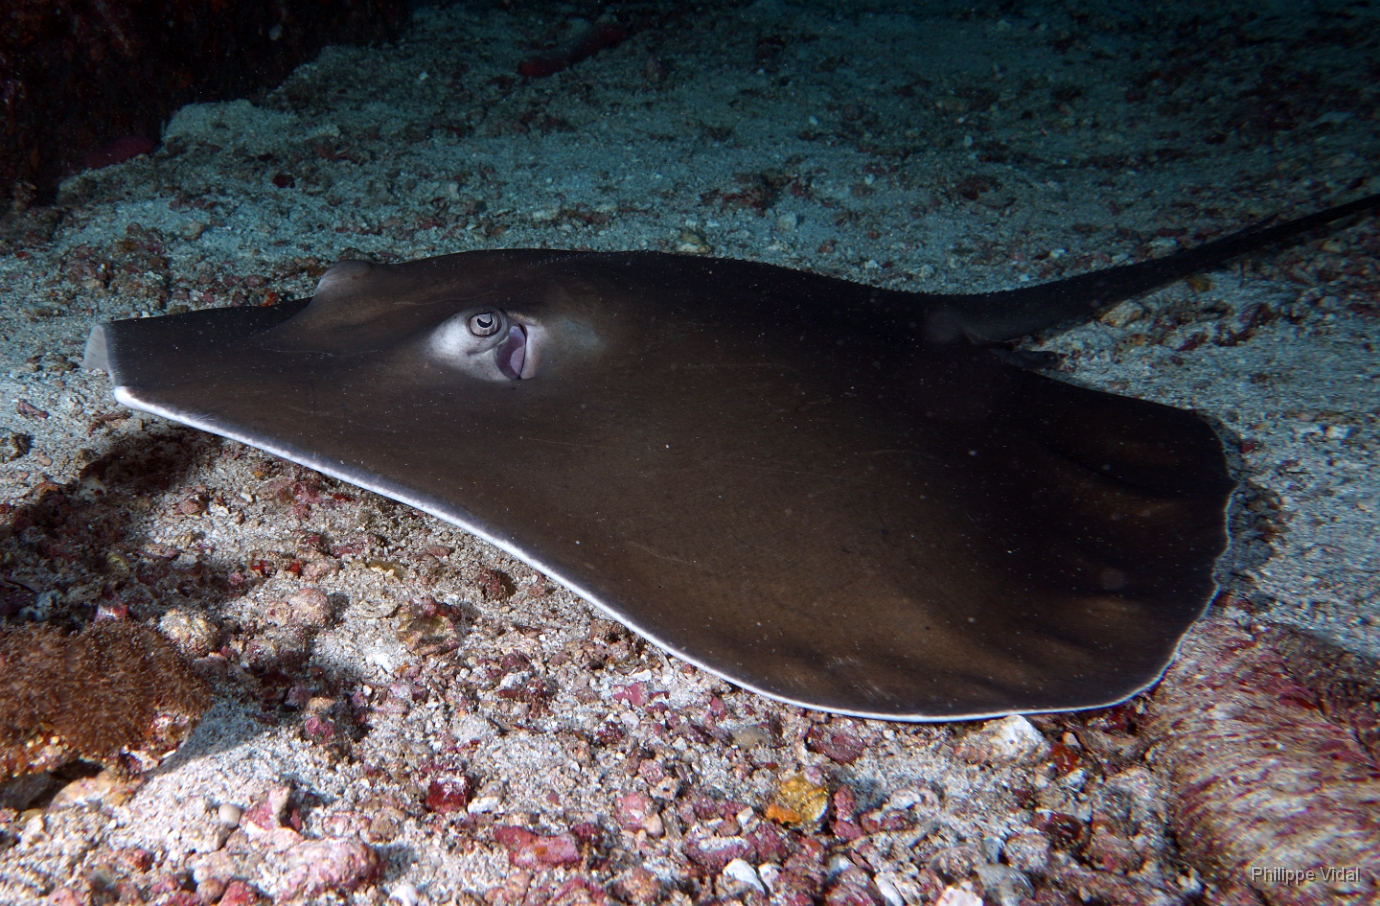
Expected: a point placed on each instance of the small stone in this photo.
(787, 223)
(484, 804)
(268, 813)
(886, 820)
(429, 628)
(405, 894)
(14, 446)
(448, 794)
(229, 814)
(1010, 740)
(770, 873)
(711, 851)
(318, 568)
(1005, 885)
(853, 891)
(316, 867)
(690, 242)
(190, 631)
(310, 608)
(109, 788)
(529, 850)
(895, 888)
(1111, 851)
(739, 878)
(958, 861)
(211, 889)
(750, 736)
(637, 811)
(1124, 314)
(799, 802)
(638, 886)
(1028, 852)
(959, 895)
(839, 743)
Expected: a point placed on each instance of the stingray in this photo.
(843, 497)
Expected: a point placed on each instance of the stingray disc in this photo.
(779, 477)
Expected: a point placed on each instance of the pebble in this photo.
(483, 805)
(529, 850)
(750, 736)
(190, 631)
(959, 895)
(1124, 314)
(739, 878)
(268, 813)
(1010, 740)
(1006, 885)
(1028, 852)
(690, 242)
(770, 874)
(310, 608)
(638, 886)
(799, 802)
(108, 788)
(238, 893)
(315, 867)
(837, 741)
(895, 888)
(711, 851)
(636, 811)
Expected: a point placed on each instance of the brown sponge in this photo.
(114, 688)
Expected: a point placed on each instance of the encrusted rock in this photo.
(838, 741)
(190, 631)
(529, 850)
(306, 608)
(1270, 740)
(314, 867)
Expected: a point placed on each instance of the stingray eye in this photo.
(485, 323)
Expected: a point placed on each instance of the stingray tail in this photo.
(996, 317)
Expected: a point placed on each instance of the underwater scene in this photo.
(748, 452)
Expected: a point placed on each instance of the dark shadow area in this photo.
(85, 553)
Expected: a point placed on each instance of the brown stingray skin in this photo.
(769, 473)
